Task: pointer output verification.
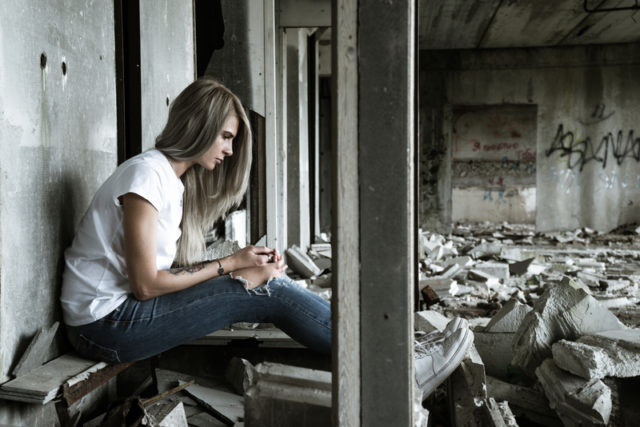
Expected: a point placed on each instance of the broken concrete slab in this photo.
(576, 401)
(284, 395)
(481, 276)
(38, 349)
(499, 414)
(599, 356)
(564, 311)
(524, 401)
(495, 350)
(301, 263)
(494, 269)
(486, 250)
(466, 390)
(239, 374)
(429, 321)
(462, 261)
(508, 318)
(227, 406)
(165, 414)
(443, 287)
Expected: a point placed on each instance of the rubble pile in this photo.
(555, 319)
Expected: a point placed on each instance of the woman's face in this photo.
(222, 147)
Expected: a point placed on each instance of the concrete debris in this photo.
(429, 321)
(494, 269)
(565, 311)
(578, 402)
(239, 375)
(508, 318)
(36, 353)
(601, 355)
(301, 263)
(227, 406)
(499, 414)
(284, 395)
(526, 402)
(165, 414)
(485, 250)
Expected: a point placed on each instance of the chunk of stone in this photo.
(499, 414)
(466, 389)
(509, 317)
(486, 250)
(494, 269)
(239, 374)
(165, 414)
(590, 279)
(302, 263)
(429, 321)
(462, 261)
(564, 311)
(443, 287)
(285, 395)
(527, 401)
(450, 271)
(483, 277)
(495, 350)
(576, 401)
(599, 356)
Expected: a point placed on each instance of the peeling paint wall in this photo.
(58, 140)
(588, 149)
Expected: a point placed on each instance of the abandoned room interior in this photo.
(460, 179)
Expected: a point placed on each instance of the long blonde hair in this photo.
(195, 120)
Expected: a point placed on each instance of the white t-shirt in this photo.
(95, 280)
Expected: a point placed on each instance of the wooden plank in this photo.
(37, 351)
(42, 384)
(345, 302)
(454, 24)
(81, 385)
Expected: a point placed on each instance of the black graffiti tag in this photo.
(581, 151)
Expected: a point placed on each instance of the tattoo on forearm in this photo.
(190, 269)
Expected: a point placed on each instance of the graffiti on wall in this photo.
(581, 151)
(568, 180)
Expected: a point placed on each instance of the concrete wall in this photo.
(494, 160)
(167, 63)
(240, 63)
(587, 148)
(58, 142)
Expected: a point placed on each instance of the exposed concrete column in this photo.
(373, 229)
(275, 133)
(297, 138)
(386, 51)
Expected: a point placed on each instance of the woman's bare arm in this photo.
(140, 227)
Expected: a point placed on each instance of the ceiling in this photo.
(469, 24)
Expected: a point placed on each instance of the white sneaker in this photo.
(437, 358)
(453, 325)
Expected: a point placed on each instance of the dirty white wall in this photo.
(586, 175)
(58, 139)
(58, 143)
(494, 160)
(167, 63)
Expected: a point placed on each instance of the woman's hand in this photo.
(251, 256)
(256, 276)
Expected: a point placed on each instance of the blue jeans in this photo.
(140, 329)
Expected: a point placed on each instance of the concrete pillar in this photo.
(298, 193)
(386, 51)
(373, 229)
